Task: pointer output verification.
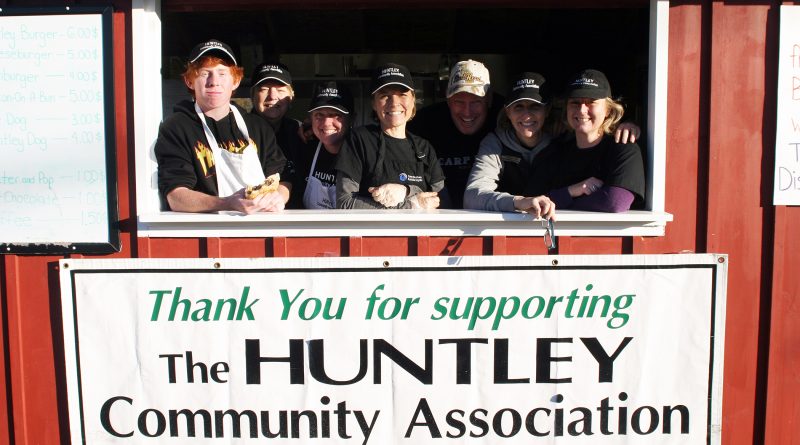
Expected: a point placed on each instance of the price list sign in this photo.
(56, 137)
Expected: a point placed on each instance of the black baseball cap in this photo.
(212, 47)
(272, 70)
(529, 86)
(589, 83)
(331, 95)
(391, 74)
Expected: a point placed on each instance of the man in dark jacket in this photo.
(455, 128)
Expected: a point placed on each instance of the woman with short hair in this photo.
(384, 166)
(331, 116)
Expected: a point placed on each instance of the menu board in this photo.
(57, 181)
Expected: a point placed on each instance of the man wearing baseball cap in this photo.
(272, 95)
(455, 128)
(209, 151)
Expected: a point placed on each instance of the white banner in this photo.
(475, 350)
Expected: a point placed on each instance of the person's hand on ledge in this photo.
(425, 200)
(537, 206)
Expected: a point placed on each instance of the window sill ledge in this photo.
(346, 223)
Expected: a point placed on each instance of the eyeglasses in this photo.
(549, 234)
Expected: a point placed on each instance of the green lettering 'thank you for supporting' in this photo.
(203, 309)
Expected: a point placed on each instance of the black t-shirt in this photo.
(372, 158)
(618, 165)
(455, 150)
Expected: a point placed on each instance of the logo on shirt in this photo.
(205, 156)
(237, 146)
(409, 178)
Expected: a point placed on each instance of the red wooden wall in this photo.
(720, 142)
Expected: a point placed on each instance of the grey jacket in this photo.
(481, 192)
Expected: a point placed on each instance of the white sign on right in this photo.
(786, 189)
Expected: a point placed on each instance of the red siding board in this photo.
(686, 122)
(242, 247)
(570, 245)
(395, 246)
(6, 409)
(458, 246)
(314, 247)
(738, 46)
(176, 248)
(29, 283)
(528, 245)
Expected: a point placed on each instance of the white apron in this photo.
(234, 170)
(317, 194)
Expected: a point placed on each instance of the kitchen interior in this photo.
(345, 45)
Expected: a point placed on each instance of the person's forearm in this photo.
(183, 199)
(484, 199)
(606, 199)
(481, 192)
(285, 189)
(561, 197)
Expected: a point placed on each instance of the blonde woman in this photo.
(589, 170)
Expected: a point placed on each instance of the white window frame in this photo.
(152, 222)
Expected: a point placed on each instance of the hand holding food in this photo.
(268, 186)
(389, 195)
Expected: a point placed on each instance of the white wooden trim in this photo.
(146, 67)
(657, 104)
(334, 223)
(146, 71)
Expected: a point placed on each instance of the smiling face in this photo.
(394, 105)
(329, 126)
(468, 112)
(586, 117)
(271, 99)
(213, 86)
(527, 118)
